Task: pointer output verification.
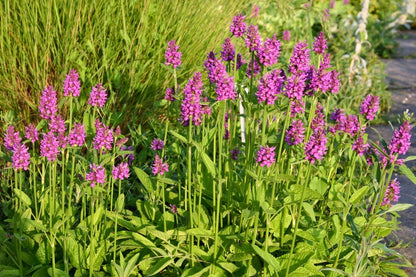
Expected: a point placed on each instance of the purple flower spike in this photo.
(157, 144)
(392, 193)
(359, 147)
(173, 55)
(49, 146)
(228, 51)
(216, 70)
(400, 142)
(286, 35)
(72, 85)
(96, 175)
(77, 135)
(350, 124)
(269, 87)
(170, 92)
(253, 40)
(300, 60)
(266, 156)
(104, 137)
(320, 44)
(32, 133)
(11, 138)
(235, 153)
(130, 157)
(121, 171)
(370, 106)
(21, 157)
(225, 88)
(296, 107)
(173, 208)
(295, 86)
(296, 133)
(191, 108)
(315, 148)
(98, 96)
(57, 124)
(48, 103)
(159, 167)
(269, 53)
(240, 61)
(238, 26)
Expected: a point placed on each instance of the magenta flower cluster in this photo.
(96, 175)
(77, 135)
(72, 85)
(238, 26)
(48, 103)
(11, 138)
(21, 157)
(228, 51)
(296, 133)
(316, 148)
(400, 142)
(104, 137)
(269, 87)
(269, 53)
(392, 193)
(121, 171)
(173, 55)
(49, 146)
(159, 167)
(98, 96)
(266, 156)
(370, 106)
(32, 133)
(320, 44)
(191, 108)
(253, 38)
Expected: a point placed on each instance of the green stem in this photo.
(189, 185)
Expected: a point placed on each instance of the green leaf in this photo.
(196, 271)
(144, 179)
(120, 203)
(9, 273)
(76, 253)
(178, 136)
(35, 223)
(23, 197)
(131, 265)
(359, 194)
(159, 266)
(295, 194)
(309, 210)
(409, 174)
(208, 163)
(267, 257)
(238, 257)
(397, 208)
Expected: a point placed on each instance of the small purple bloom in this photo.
(173, 55)
(129, 156)
(359, 147)
(253, 39)
(400, 142)
(235, 153)
(228, 51)
(72, 85)
(170, 92)
(77, 135)
(48, 103)
(225, 88)
(173, 209)
(295, 86)
(350, 124)
(296, 107)
(315, 148)
(121, 171)
(332, 4)
(238, 26)
(157, 144)
(336, 115)
(286, 35)
(21, 157)
(266, 156)
(318, 122)
(255, 11)
(49, 146)
(334, 85)
(269, 53)
(32, 133)
(98, 96)
(240, 61)
(11, 138)
(326, 14)
(370, 106)
(296, 133)
(215, 68)
(346, 2)
(320, 44)
(96, 175)
(392, 193)
(159, 167)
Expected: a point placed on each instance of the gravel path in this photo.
(401, 76)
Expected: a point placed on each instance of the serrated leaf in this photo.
(397, 208)
(178, 136)
(208, 163)
(267, 257)
(409, 174)
(159, 266)
(309, 210)
(359, 194)
(23, 197)
(144, 179)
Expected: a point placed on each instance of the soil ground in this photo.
(401, 76)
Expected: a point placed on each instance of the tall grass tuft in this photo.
(119, 42)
